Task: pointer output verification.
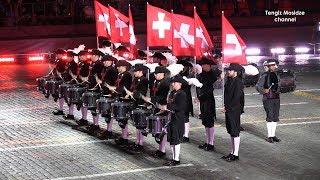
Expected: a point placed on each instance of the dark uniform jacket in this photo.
(123, 80)
(265, 82)
(177, 103)
(159, 91)
(139, 87)
(110, 75)
(72, 68)
(96, 70)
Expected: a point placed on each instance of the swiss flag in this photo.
(132, 38)
(119, 26)
(102, 20)
(203, 41)
(183, 35)
(233, 46)
(159, 31)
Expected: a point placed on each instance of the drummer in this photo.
(177, 104)
(83, 79)
(124, 80)
(95, 84)
(138, 89)
(58, 71)
(159, 89)
(109, 77)
(70, 76)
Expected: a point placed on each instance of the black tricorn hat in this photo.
(71, 54)
(178, 78)
(185, 63)
(140, 67)
(109, 58)
(235, 67)
(205, 60)
(83, 53)
(97, 52)
(60, 51)
(158, 55)
(161, 69)
(123, 63)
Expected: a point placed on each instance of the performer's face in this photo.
(121, 69)
(59, 56)
(95, 58)
(159, 76)
(176, 85)
(69, 58)
(82, 58)
(138, 74)
(206, 67)
(272, 68)
(232, 73)
(107, 63)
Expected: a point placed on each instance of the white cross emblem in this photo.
(199, 34)
(186, 38)
(132, 36)
(105, 19)
(161, 25)
(120, 24)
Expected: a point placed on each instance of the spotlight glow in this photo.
(301, 50)
(253, 51)
(278, 50)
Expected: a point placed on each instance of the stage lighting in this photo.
(6, 59)
(253, 51)
(278, 50)
(35, 58)
(301, 50)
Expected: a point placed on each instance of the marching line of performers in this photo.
(116, 90)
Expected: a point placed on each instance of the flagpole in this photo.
(147, 36)
(172, 31)
(96, 24)
(222, 64)
(195, 36)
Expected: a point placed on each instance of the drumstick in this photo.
(144, 98)
(128, 92)
(271, 86)
(109, 87)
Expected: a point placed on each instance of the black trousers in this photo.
(208, 112)
(272, 108)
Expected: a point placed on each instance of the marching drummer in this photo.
(232, 108)
(59, 70)
(83, 79)
(177, 105)
(95, 84)
(268, 85)
(159, 89)
(124, 80)
(207, 102)
(109, 78)
(139, 89)
(70, 76)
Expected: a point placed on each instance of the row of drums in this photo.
(121, 110)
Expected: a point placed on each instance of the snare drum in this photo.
(89, 100)
(63, 90)
(104, 106)
(120, 110)
(156, 123)
(75, 95)
(52, 87)
(41, 83)
(139, 118)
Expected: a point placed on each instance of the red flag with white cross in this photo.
(203, 41)
(233, 47)
(183, 35)
(158, 27)
(132, 38)
(119, 26)
(102, 20)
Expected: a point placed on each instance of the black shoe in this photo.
(93, 129)
(106, 135)
(71, 117)
(185, 139)
(57, 112)
(209, 147)
(172, 163)
(227, 156)
(241, 128)
(136, 148)
(82, 122)
(121, 142)
(269, 139)
(275, 139)
(203, 146)
(159, 154)
(232, 158)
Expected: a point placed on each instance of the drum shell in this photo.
(104, 105)
(41, 83)
(156, 123)
(89, 100)
(75, 95)
(52, 87)
(139, 118)
(287, 81)
(63, 90)
(120, 110)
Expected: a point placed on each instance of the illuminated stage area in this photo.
(36, 144)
